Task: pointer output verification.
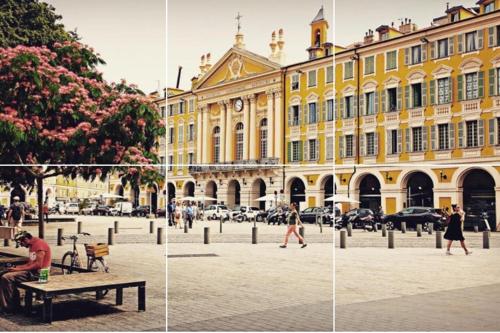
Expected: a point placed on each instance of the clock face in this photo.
(238, 104)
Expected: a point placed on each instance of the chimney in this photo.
(202, 65)
(407, 26)
(281, 45)
(208, 65)
(273, 45)
(368, 37)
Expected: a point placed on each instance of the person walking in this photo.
(15, 215)
(454, 230)
(178, 215)
(195, 211)
(189, 215)
(293, 220)
(46, 211)
(170, 212)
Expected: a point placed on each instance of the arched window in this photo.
(317, 38)
(216, 144)
(263, 138)
(239, 142)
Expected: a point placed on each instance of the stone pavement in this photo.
(81, 312)
(416, 289)
(249, 287)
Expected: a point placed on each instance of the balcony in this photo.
(472, 152)
(370, 120)
(471, 106)
(391, 117)
(496, 102)
(348, 122)
(416, 114)
(416, 156)
(236, 166)
(442, 154)
(442, 110)
(312, 127)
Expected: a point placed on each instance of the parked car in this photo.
(161, 212)
(309, 215)
(141, 211)
(72, 208)
(102, 210)
(414, 216)
(216, 211)
(89, 210)
(358, 217)
(122, 208)
(248, 213)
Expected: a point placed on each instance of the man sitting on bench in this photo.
(39, 257)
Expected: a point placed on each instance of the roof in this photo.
(319, 16)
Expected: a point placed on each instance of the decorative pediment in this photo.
(416, 75)
(295, 100)
(234, 65)
(496, 61)
(349, 90)
(329, 93)
(471, 65)
(312, 97)
(442, 71)
(369, 85)
(392, 81)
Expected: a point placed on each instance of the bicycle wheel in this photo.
(69, 261)
(98, 265)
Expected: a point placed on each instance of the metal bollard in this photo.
(419, 230)
(430, 227)
(220, 225)
(6, 242)
(349, 229)
(301, 232)
(391, 239)
(439, 240)
(79, 227)
(254, 235)
(111, 236)
(384, 230)
(375, 227)
(476, 228)
(206, 235)
(160, 235)
(343, 239)
(59, 236)
(486, 239)
(117, 225)
(403, 227)
(151, 227)
(185, 227)
(321, 228)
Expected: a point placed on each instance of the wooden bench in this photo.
(78, 283)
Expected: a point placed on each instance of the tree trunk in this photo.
(39, 192)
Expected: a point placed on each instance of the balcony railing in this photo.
(235, 165)
(471, 106)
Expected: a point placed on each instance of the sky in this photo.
(130, 35)
(353, 19)
(197, 27)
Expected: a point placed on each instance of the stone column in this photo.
(199, 136)
(246, 126)
(270, 124)
(222, 122)
(229, 131)
(278, 126)
(206, 131)
(253, 128)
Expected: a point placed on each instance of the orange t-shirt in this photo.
(40, 245)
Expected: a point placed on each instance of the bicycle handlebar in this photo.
(75, 237)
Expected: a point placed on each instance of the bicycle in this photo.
(95, 257)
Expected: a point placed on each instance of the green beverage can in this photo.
(44, 275)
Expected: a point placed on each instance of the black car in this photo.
(414, 216)
(161, 212)
(101, 210)
(309, 215)
(141, 211)
(357, 217)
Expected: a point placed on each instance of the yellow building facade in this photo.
(251, 126)
(408, 97)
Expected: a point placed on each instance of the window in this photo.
(489, 7)
(391, 60)
(313, 153)
(370, 103)
(329, 148)
(312, 113)
(295, 151)
(295, 115)
(369, 65)
(181, 107)
(417, 138)
(263, 138)
(170, 110)
(181, 134)
(416, 54)
(170, 162)
(470, 41)
(295, 81)
(370, 143)
(455, 17)
(348, 70)
(349, 112)
(393, 149)
(442, 48)
(190, 158)
(329, 74)
(392, 99)
(443, 91)
(498, 81)
(329, 110)
(384, 36)
(191, 132)
(498, 35)
(311, 78)
(171, 135)
(162, 111)
(443, 137)
(216, 145)
(471, 86)
(416, 90)
(180, 158)
(472, 137)
(191, 105)
(239, 142)
(349, 146)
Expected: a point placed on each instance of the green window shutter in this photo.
(491, 82)
(375, 143)
(480, 39)
(362, 145)
(407, 140)
(324, 109)
(304, 113)
(425, 134)
(354, 106)
(407, 97)
(433, 137)
(491, 36)
(451, 133)
(341, 146)
(451, 47)
(480, 132)
(362, 104)
(388, 142)
(290, 115)
(461, 134)
(375, 102)
(400, 140)
(424, 94)
(289, 151)
(423, 49)
(407, 56)
(342, 109)
(460, 87)
(432, 92)
(491, 131)
(480, 84)
(460, 43)
(400, 97)
(383, 97)
(450, 92)
(433, 50)
(301, 150)
(305, 147)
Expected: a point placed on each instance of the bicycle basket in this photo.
(97, 250)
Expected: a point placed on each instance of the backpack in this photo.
(16, 212)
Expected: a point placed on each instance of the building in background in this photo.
(407, 96)
(246, 117)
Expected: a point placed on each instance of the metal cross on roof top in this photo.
(238, 17)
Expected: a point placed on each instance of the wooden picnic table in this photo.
(78, 283)
(4, 260)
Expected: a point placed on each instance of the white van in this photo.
(72, 208)
(122, 208)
